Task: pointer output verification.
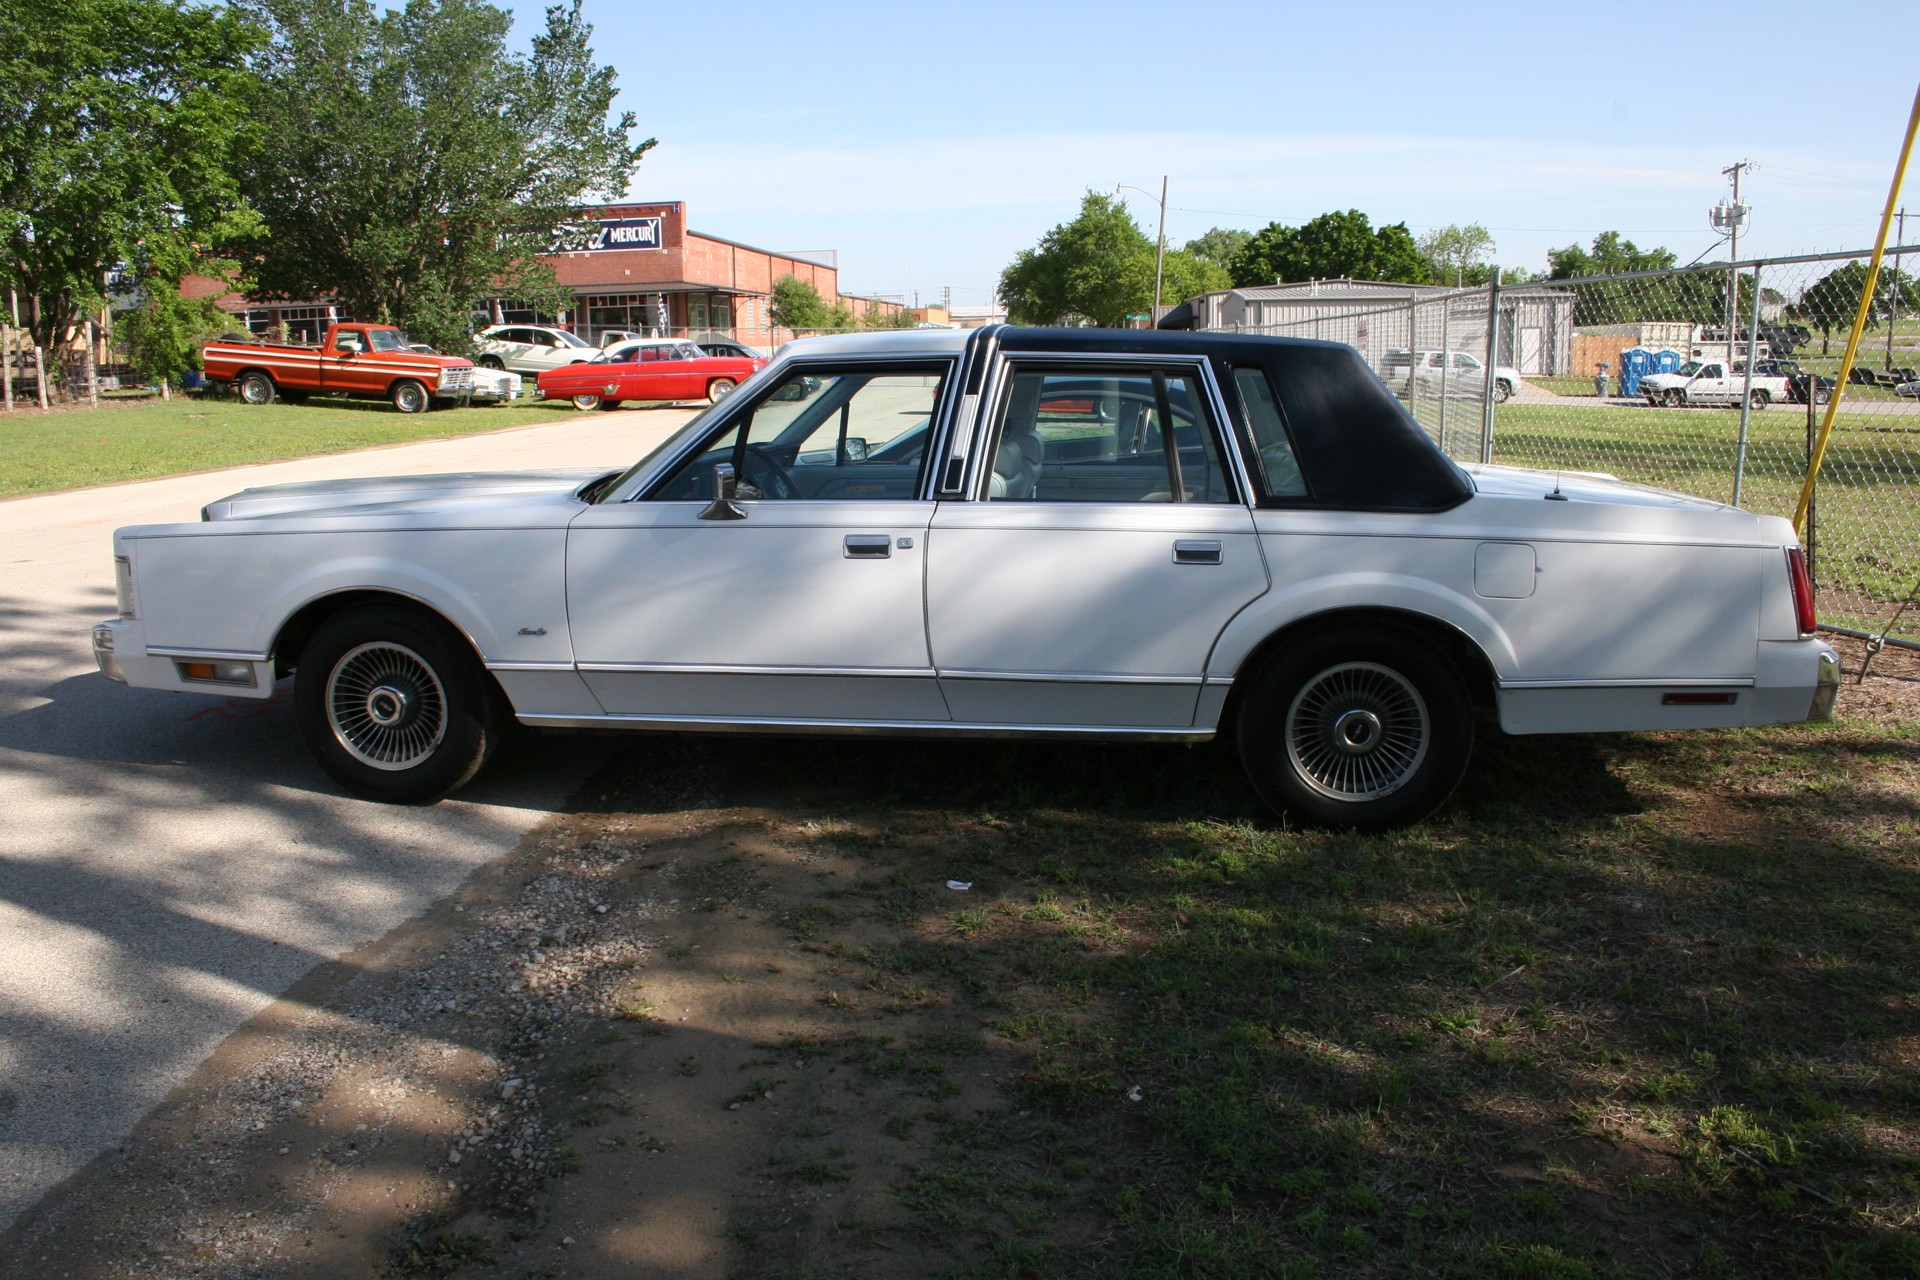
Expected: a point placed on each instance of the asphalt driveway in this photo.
(170, 864)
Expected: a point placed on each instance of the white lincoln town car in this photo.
(1007, 533)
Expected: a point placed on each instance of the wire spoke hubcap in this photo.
(386, 706)
(1357, 731)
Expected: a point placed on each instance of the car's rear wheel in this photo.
(1759, 399)
(1502, 391)
(586, 402)
(1673, 399)
(719, 389)
(255, 387)
(394, 705)
(409, 396)
(610, 404)
(1822, 396)
(491, 362)
(1363, 728)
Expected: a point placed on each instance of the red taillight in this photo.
(1802, 590)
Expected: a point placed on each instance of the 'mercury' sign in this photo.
(610, 233)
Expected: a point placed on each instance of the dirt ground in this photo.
(660, 1039)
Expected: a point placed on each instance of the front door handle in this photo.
(1197, 551)
(867, 546)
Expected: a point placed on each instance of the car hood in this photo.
(395, 493)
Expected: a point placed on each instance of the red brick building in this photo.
(638, 268)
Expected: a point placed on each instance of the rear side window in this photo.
(1106, 436)
(1279, 468)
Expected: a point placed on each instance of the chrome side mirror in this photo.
(723, 507)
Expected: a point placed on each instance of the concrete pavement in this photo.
(169, 863)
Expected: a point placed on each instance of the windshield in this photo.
(1690, 368)
(387, 339)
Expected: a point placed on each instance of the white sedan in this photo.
(530, 348)
(1005, 533)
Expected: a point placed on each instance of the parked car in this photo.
(728, 347)
(1716, 382)
(1461, 372)
(490, 386)
(650, 369)
(1006, 532)
(1908, 390)
(1797, 380)
(526, 348)
(369, 360)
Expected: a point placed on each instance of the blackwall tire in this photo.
(491, 362)
(1673, 399)
(395, 706)
(1502, 392)
(409, 396)
(255, 387)
(1363, 728)
(1759, 400)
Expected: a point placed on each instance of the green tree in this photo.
(1611, 255)
(165, 331)
(1456, 254)
(1331, 246)
(411, 166)
(119, 122)
(1097, 268)
(1694, 297)
(1187, 275)
(1831, 301)
(797, 305)
(1220, 245)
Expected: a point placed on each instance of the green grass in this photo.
(69, 449)
(1638, 1006)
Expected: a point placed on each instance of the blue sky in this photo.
(930, 143)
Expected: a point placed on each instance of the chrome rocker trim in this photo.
(868, 728)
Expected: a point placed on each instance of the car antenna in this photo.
(1556, 495)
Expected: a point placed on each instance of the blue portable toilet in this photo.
(1635, 364)
(1667, 361)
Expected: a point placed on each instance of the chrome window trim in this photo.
(727, 415)
(999, 383)
(877, 728)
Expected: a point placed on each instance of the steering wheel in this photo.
(778, 480)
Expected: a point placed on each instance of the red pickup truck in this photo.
(370, 360)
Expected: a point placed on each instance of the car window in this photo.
(1095, 436)
(1278, 465)
(823, 433)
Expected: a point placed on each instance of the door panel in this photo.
(1081, 614)
(772, 617)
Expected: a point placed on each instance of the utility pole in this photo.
(1893, 299)
(1730, 218)
(1160, 251)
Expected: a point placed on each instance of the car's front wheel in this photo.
(1673, 399)
(491, 362)
(1502, 391)
(394, 705)
(410, 397)
(719, 389)
(1363, 728)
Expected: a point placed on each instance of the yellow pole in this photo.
(1859, 320)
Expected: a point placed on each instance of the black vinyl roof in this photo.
(1357, 446)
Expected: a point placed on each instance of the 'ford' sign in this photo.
(613, 233)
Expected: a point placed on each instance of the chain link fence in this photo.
(1709, 381)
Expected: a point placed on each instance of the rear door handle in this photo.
(867, 546)
(1204, 551)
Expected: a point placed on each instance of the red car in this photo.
(650, 369)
